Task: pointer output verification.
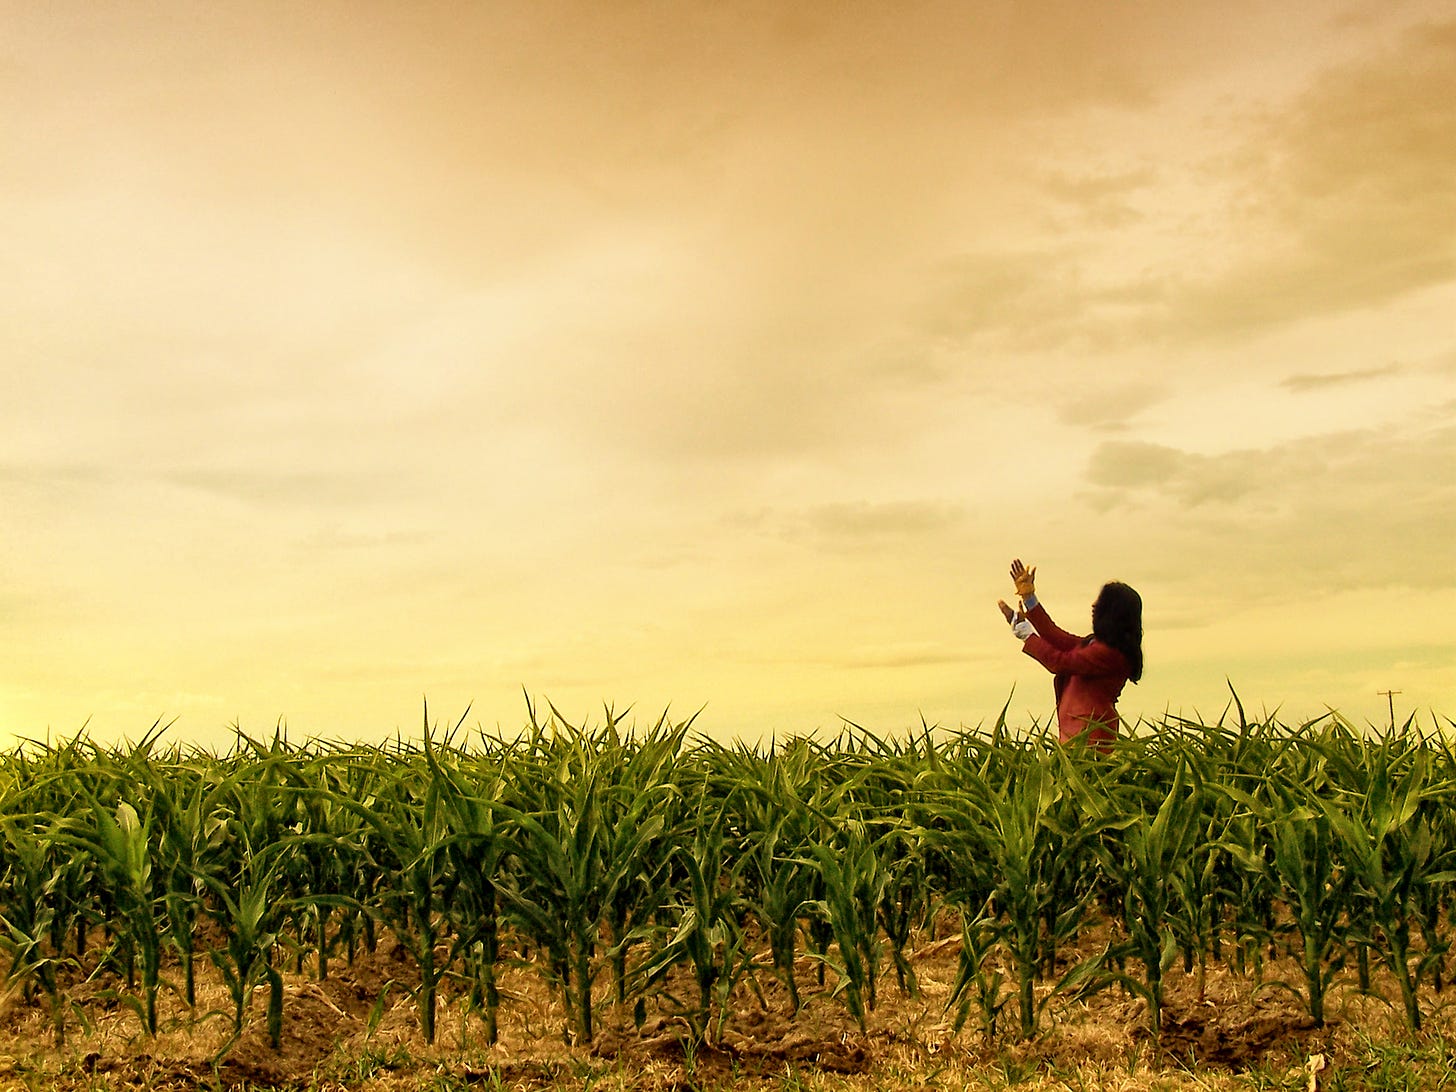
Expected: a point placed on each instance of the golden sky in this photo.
(720, 356)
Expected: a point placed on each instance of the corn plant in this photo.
(707, 935)
(474, 848)
(584, 838)
(947, 818)
(187, 806)
(1144, 852)
(1260, 771)
(41, 792)
(1304, 864)
(887, 787)
(406, 819)
(31, 914)
(1042, 851)
(328, 858)
(119, 843)
(247, 902)
(853, 886)
(906, 905)
(648, 766)
(246, 911)
(1395, 852)
(1202, 879)
(345, 880)
(979, 979)
(776, 820)
(1022, 848)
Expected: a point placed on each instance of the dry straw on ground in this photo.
(338, 1035)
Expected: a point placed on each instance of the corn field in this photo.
(653, 870)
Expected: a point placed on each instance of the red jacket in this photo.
(1089, 677)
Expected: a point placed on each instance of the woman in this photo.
(1090, 672)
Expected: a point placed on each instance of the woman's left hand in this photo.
(1024, 579)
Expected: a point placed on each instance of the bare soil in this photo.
(338, 1034)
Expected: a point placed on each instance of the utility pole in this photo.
(1389, 696)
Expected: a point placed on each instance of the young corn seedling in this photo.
(707, 935)
(1313, 881)
(474, 849)
(1392, 847)
(978, 978)
(579, 840)
(1041, 855)
(185, 801)
(120, 844)
(649, 765)
(891, 792)
(1143, 854)
(1014, 856)
(854, 885)
(775, 819)
(30, 914)
(408, 831)
(246, 913)
(247, 903)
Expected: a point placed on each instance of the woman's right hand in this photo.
(1024, 578)
(1016, 620)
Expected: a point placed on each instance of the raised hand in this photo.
(1019, 625)
(1024, 578)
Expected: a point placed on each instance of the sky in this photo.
(372, 362)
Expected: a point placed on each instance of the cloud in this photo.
(854, 526)
(728, 209)
(1109, 408)
(1343, 199)
(1372, 470)
(900, 656)
(286, 487)
(1024, 299)
(334, 538)
(1102, 200)
(48, 477)
(875, 521)
(1354, 509)
(1188, 478)
(1330, 201)
(1309, 381)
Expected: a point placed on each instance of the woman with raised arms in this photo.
(1088, 672)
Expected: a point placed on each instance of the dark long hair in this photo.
(1117, 620)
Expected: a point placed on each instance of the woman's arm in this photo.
(1050, 632)
(1082, 659)
(1024, 578)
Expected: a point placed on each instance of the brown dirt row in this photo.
(337, 1034)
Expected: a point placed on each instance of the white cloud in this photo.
(1344, 196)
(1307, 518)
